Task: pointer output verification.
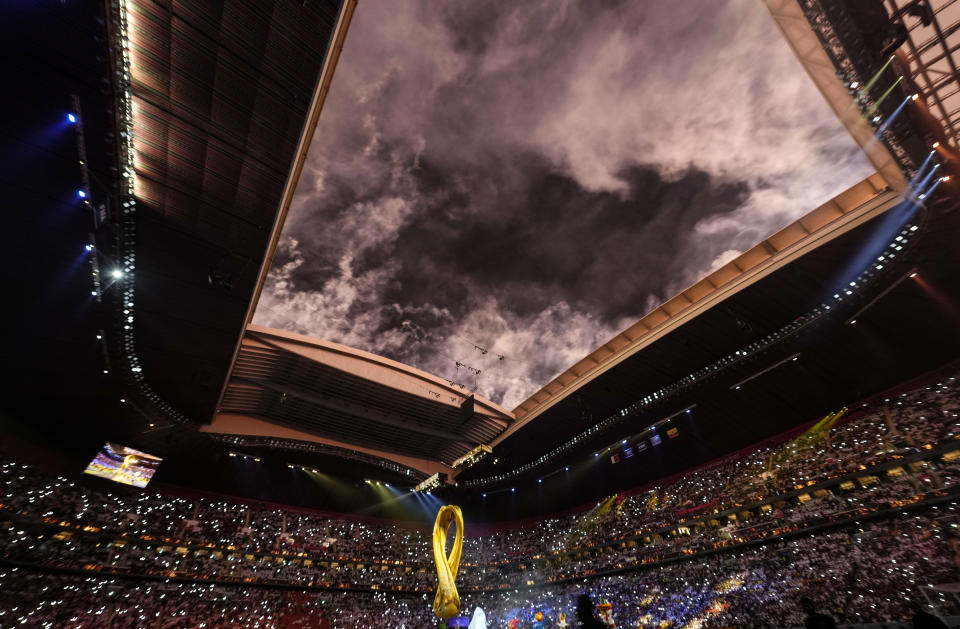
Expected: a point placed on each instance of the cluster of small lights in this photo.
(317, 448)
(473, 457)
(854, 287)
(73, 118)
(429, 484)
(245, 457)
(294, 466)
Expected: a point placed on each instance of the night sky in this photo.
(525, 180)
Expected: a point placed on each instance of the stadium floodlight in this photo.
(88, 247)
(82, 194)
(432, 482)
(117, 273)
(474, 456)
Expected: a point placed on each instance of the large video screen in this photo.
(123, 465)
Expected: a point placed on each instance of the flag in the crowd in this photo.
(642, 446)
(628, 452)
(615, 458)
(672, 432)
(655, 440)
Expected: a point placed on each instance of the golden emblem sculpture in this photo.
(446, 604)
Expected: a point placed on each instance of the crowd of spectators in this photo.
(686, 551)
(858, 575)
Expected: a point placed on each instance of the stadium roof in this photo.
(289, 385)
(218, 101)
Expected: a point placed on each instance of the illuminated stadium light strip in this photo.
(119, 16)
(244, 456)
(862, 280)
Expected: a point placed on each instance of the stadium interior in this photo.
(786, 428)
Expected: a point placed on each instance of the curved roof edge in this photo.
(320, 93)
(373, 367)
(858, 204)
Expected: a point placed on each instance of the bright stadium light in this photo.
(82, 194)
(117, 273)
(434, 481)
(72, 118)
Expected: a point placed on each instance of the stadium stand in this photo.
(856, 514)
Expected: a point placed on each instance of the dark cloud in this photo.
(525, 180)
(556, 241)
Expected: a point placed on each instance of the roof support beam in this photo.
(357, 411)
